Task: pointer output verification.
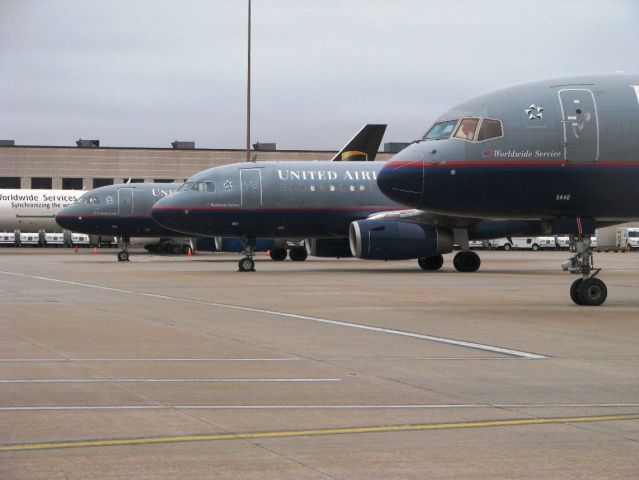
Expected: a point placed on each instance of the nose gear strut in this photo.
(587, 290)
(247, 264)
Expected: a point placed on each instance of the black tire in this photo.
(431, 263)
(123, 256)
(298, 254)
(467, 262)
(278, 254)
(507, 246)
(247, 265)
(592, 292)
(176, 249)
(574, 291)
(535, 247)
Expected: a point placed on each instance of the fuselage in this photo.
(33, 210)
(118, 210)
(558, 149)
(275, 199)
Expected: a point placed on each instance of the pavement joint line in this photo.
(7, 360)
(312, 432)
(315, 407)
(401, 333)
(172, 380)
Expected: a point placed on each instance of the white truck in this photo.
(524, 243)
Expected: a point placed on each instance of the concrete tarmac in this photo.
(181, 367)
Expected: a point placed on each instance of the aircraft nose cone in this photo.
(67, 219)
(402, 181)
(169, 213)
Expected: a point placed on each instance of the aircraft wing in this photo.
(423, 217)
(363, 146)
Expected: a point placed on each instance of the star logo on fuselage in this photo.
(228, 185)
(534, 112)
(109, 200)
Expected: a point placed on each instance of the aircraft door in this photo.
(125, 202)
(581, 125)
(251, 192)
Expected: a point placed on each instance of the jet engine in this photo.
(397, 240)
(328, 247)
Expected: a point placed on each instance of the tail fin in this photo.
(363, 146)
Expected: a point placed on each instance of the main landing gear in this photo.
(587, 290)
(431, 263)
(123, 255)
(247, 264)
(467, 261)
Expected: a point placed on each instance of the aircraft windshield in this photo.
(440, 130)
(87, 200)
(198, 187)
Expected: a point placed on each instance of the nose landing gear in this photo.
(123, 255)
(247, 264)
(587, 290)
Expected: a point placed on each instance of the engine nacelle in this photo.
(397, 240)
(328, 247)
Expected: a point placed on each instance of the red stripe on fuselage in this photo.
(507, 163)
(281, 209)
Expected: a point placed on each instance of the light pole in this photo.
(248, 90)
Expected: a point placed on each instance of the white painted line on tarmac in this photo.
(172, 380)
(292, 359)
(315, 407)
(449, 341)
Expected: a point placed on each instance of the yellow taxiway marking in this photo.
(304, 433)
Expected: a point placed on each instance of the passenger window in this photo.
(466, 129)
(489, 129)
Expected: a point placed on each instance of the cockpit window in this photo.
(489, 129)
(466, 129)
(440, 130)
(198, 187)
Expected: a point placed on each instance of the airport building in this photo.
(89, 166)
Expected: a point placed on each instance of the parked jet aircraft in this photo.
(121, 210)
(317, 200)
(564, 153)
(30, 210)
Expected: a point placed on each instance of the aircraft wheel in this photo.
(123, 256)
(592, 292)
(431, 263)
(467, 262)
(278, 254)
(574, 291)
(247, 265)
(298, 254)
(507, 246)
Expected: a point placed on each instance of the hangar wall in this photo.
(117, 165)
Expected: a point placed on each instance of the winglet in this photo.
(363, 146)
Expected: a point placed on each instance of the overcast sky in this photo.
(146, 72)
